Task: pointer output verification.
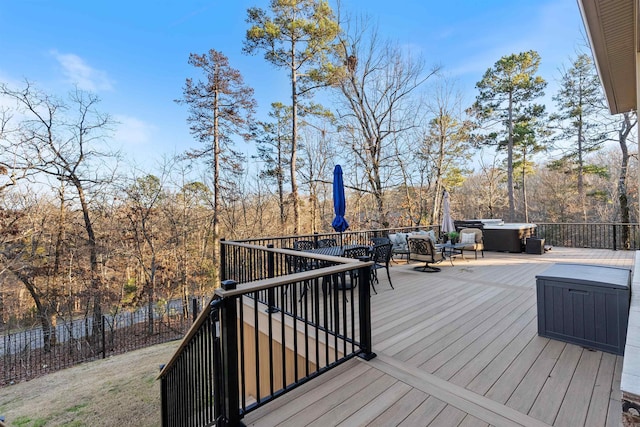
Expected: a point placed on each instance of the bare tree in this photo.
(376, 106)
(64, 141)
(446, 144)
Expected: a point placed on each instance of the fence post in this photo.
(615, 246)
(364, 275)
(229, 341)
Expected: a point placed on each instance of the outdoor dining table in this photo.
(335, 250)
(338, 251)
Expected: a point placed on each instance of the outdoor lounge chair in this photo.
(475, 243)
(422, 248)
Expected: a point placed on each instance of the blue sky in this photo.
(133, 54)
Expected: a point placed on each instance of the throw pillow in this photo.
(432, 235)
(401, 240)
(468, 238)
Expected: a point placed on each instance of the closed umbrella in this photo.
(447, 222)
(339, 223)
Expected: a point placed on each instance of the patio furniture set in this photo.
(380, 252)
(423, 246)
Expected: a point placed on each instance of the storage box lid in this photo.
(610, 277)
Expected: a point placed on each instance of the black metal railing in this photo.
(361, 237)
(259, 340)
(616, 236)
(591, 235)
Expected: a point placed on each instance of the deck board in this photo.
(448, 333)
(474, 342)
(580, 389)
(599, 404)
(455, 326)
(460, 348)
(400, 409)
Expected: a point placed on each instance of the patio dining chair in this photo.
(377, 241)
(381, 257)
(303, 245)
(422, 248)
(356, 253)
(326, 243)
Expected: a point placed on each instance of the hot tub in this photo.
(508, 237)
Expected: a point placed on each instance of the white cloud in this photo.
(78, 72)
(133, 131)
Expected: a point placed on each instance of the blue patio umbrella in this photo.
(339, 223)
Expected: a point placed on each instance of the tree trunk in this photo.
(280, 177)
(525, 204)
(439, 187)
(294, 143)
(46, 316)
(512, 209)
(216, 192)
(581, 195)
(93, 261)
(622, 181)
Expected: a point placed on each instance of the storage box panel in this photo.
(574, 308)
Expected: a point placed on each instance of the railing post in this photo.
(218, 380)
(223, 260)
(194, 308)
(615, 246)
(364, 275)
(271, 272)
(229, 340)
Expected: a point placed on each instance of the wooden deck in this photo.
(460, 348)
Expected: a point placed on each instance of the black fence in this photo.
(614, 236)
(259, 340)
(32, 352)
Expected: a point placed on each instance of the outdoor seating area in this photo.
(462, 348)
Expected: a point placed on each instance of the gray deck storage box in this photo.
(585, 304)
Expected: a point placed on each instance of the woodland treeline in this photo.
(83, 233)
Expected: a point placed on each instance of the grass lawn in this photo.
(118, 391)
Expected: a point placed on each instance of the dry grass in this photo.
(119, 391)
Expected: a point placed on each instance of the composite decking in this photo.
(460, 348)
